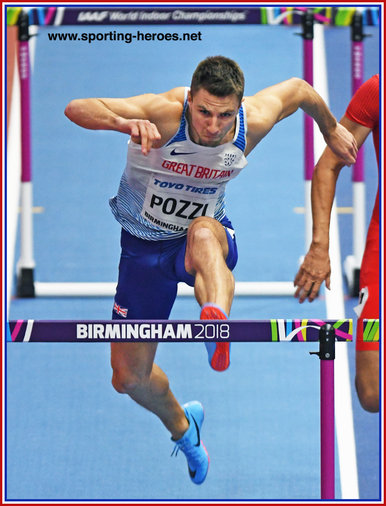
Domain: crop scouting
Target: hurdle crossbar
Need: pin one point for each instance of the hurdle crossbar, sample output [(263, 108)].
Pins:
[(107, 289), (326, 332), (275, 330)]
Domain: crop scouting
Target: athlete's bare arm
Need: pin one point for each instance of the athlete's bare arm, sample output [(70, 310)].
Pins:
[(271, 105), (316, 265), (150, 119)]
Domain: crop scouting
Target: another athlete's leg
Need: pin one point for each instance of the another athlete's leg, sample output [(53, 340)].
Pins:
[(367, 379), (367, 352)]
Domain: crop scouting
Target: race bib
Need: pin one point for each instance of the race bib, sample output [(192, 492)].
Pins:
[(172, 204), (363, 298)]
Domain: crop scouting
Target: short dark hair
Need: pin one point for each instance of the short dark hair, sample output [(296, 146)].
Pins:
[(220, 76)]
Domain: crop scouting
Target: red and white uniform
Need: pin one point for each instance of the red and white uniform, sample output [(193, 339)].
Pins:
[(364, 110)]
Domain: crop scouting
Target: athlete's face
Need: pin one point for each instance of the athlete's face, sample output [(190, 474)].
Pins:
[(211, 118)]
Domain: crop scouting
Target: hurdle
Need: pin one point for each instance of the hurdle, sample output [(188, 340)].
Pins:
[(26, 263), (309, 149), (26, 284), (275, 330), (352, 262)]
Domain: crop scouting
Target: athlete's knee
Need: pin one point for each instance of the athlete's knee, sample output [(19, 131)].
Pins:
[(202, 230), (202, 250), (202, 237), (368, 393), (126, 381)]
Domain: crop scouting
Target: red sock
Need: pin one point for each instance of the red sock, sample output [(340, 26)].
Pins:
[(219, 353), (212, 312)]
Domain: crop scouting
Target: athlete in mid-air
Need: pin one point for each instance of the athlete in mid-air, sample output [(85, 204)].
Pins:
[(186, 145)]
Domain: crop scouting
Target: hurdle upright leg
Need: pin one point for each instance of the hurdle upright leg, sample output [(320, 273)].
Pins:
[(308, 76), (326, 355), (26, 263), (353, 262)]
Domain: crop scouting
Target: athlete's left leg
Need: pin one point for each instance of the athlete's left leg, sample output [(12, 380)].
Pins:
[(207, 263), (206, 251)]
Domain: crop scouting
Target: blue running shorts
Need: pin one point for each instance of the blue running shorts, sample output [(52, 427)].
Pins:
[(149, 272)]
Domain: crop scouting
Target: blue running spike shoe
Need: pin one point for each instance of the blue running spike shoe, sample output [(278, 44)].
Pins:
[(191, 445), (218, 353)]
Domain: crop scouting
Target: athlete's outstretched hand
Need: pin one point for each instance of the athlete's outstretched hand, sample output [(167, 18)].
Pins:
[(343, 144), (142, 131), (314, 270)]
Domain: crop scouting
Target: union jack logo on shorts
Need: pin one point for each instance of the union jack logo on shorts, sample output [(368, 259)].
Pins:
[(122, 311)]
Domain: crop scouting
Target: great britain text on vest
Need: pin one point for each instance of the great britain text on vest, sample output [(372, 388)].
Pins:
[(196, 171)]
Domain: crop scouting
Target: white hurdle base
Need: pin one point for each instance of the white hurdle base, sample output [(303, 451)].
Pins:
[(352, 270), (242, 289)]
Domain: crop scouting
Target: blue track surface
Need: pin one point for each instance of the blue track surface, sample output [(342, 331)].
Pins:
[(69, 435)]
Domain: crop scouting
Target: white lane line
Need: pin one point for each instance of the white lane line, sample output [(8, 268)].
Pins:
[(344, 423)]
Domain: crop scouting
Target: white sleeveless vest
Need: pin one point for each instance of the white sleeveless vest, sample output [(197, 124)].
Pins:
[(161, 193)]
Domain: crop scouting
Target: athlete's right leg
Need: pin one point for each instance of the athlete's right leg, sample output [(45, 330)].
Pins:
[(143, 293), (136, 374), (147, 288)]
